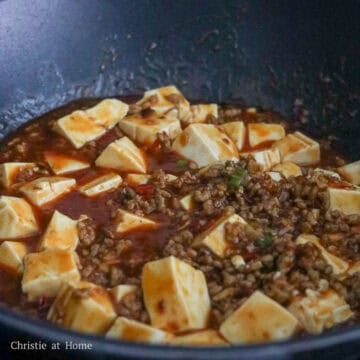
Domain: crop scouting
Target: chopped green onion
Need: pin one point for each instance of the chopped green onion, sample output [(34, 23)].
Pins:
[(236, 178), (182, 163), (265, 242)]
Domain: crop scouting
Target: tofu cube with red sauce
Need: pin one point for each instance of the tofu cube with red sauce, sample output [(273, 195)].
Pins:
[(260, 133), (214, 238), (126, 221), (62, 164), (207, 337), (259, 319), (203, 113), (10, 170), (101, 184), (351, 172), (165, 99), (82, 126), (236, 130), (299, 149), (45, 189), (318, 311), (131, 330), (144, 127), (205, 144), (120, 291), (344, 200), (83, 306), (175, 295), (11, 256), (17, 218), (122, 155), (46, 271), (61, 233), (288, 169)]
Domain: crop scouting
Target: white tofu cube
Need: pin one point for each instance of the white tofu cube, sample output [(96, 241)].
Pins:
[(11, 256), (236, 130), (175, 295), (126, 221), (259, 319), (17, 218), (101, 184), (215, 236), (202, 112), (122, 155), (346, 201), (205, 145), (338, 265), (131, 330), (46, 271), (260, 133), (299, 149), (63, 164), (61, 233), (120, 291), (351, 172), (137, 179), (84, 307), (207, 337), (81, 127), (165, 99), (143, 128), (266, 158), (288, 169), (9, 171), (46, 189), (319, 311), (187, 202), (276, 176)]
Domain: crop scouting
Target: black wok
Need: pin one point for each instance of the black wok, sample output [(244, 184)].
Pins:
[(300, 58)]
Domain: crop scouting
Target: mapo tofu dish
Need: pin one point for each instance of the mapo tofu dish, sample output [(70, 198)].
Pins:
[(158, 220)]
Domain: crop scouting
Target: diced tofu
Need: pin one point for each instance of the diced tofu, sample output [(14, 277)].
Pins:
[(338, 265), (276, 176), (200, 338), (138, 179), (101, 184), (62, 164), (83, 307), (61, 233), (187, 202), (236, 130), (215, 237), (81, 126), (327, 173), (205, 144), (46, 189), (122, 155), (143, 128), (202, 112), (120, 291), (11, 256), (265, 158), (17, 218), (351, 172), (131, 330), (346, 201), (175, 295), (288, 169), (126, 221), (259, 319), (319, 311), (238, 261), (46, 271), (260, 133), (354, 268), (299, 149), (9, 171), (165, 99)]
